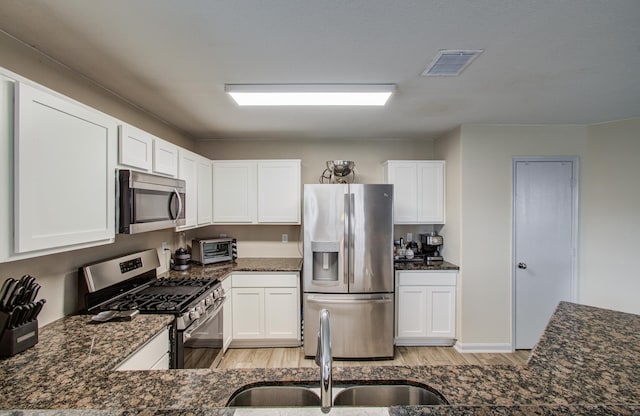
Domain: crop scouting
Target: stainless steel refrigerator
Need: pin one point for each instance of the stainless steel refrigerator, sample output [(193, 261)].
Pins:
[(348, 268)]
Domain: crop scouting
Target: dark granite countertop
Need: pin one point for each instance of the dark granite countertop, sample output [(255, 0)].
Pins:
[(587, 362), (247, 264), (420, 265)]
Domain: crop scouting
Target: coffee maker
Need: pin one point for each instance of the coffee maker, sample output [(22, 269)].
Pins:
[(431, 244)]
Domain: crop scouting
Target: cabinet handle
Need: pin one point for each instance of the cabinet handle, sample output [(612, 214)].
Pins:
[(522, 266)]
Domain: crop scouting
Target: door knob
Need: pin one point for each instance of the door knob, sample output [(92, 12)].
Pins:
[(522, 266)]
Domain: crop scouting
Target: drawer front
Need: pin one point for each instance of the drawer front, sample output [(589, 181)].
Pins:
[(265, 280), (427, 278)]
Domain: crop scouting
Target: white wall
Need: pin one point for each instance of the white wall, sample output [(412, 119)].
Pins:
[(610, 222), (486, 220), (449, 148)]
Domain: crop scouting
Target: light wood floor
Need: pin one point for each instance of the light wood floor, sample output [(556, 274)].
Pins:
[(294, 357)]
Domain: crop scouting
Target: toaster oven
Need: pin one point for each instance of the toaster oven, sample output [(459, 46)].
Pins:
[(213, 250)]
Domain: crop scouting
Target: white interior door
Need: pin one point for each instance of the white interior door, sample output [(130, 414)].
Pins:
[(544, 239)]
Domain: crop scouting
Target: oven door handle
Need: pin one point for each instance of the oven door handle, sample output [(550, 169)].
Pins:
[(186, 334)]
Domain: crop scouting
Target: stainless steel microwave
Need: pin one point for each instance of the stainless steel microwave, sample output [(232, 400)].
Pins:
[(149, 202), (213, 250)]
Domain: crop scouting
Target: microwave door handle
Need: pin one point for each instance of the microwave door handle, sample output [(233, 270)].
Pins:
[(177, 194)]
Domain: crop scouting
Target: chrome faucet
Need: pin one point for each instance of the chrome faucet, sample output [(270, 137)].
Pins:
[(324, 360)]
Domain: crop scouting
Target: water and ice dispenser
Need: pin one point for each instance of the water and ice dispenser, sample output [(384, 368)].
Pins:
[(325, 260)]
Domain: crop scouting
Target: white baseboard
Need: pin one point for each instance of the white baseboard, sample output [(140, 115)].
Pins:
[(482, 347)]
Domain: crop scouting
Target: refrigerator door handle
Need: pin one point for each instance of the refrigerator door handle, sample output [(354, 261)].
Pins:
[(347, 239), (352, 246), (329, 301)]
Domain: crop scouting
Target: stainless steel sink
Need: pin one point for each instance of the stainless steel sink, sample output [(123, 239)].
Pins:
[(385, 395), (275, 396), (363, 395)]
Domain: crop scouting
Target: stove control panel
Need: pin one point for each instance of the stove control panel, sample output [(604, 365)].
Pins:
[(129, 265)]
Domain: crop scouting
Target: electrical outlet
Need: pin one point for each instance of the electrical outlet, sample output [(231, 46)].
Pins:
[(164, 246), (409, 237), (222, 235), (285, 238)]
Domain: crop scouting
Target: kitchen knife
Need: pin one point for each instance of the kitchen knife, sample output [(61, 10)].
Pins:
[(5, 288), (15, 296), (9, 293), (35, 287), (16, 317), (38, 308), (27, 282)]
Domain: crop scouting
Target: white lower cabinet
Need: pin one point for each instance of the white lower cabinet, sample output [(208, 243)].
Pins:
[(266, 309), (425, 307), (153, 355), (248, 313), (281, 319), (227, 317)]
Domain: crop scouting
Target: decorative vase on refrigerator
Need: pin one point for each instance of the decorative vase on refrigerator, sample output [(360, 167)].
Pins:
[(348, 268)]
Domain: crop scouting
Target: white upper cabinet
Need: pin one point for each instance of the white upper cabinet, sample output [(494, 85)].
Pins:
[(165, 158), (188, 171), (256, 191), (431, 192), (234, 192), (419, 190), (65, 158), (205, 191), (279, 191), (135, 148), (195, 170)]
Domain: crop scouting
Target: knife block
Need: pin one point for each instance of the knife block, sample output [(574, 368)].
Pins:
[(16, 340)]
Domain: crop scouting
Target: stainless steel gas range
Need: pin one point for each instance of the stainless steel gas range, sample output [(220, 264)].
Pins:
[(130, 283)]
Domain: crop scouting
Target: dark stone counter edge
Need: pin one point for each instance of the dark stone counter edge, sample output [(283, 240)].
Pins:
[(516, 410), (410, 265)]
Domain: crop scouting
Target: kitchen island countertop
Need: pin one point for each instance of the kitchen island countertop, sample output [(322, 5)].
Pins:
[(586, 362)]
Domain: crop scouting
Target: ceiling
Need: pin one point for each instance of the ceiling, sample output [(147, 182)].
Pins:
[(544, 61)]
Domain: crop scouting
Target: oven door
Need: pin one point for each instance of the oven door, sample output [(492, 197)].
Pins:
[(202, 342)]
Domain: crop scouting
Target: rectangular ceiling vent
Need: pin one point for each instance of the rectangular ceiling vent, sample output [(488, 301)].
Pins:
[(450, 62)]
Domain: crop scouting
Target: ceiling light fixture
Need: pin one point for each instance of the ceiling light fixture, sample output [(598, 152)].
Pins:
[(310, 94)]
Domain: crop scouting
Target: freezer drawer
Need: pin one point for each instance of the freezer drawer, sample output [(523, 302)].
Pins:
[(361, 325)]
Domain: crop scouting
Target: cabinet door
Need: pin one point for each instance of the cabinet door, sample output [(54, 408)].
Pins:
[(234, 192), (441, 301), (248, 312), (403, 176), (135, 148), (279, 191), (431, 192), (227, 317), (412, 312), (154, 355), (65, 157), (281, 312), (165, 158), (205, 191), (7, 89), (188, 171)]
